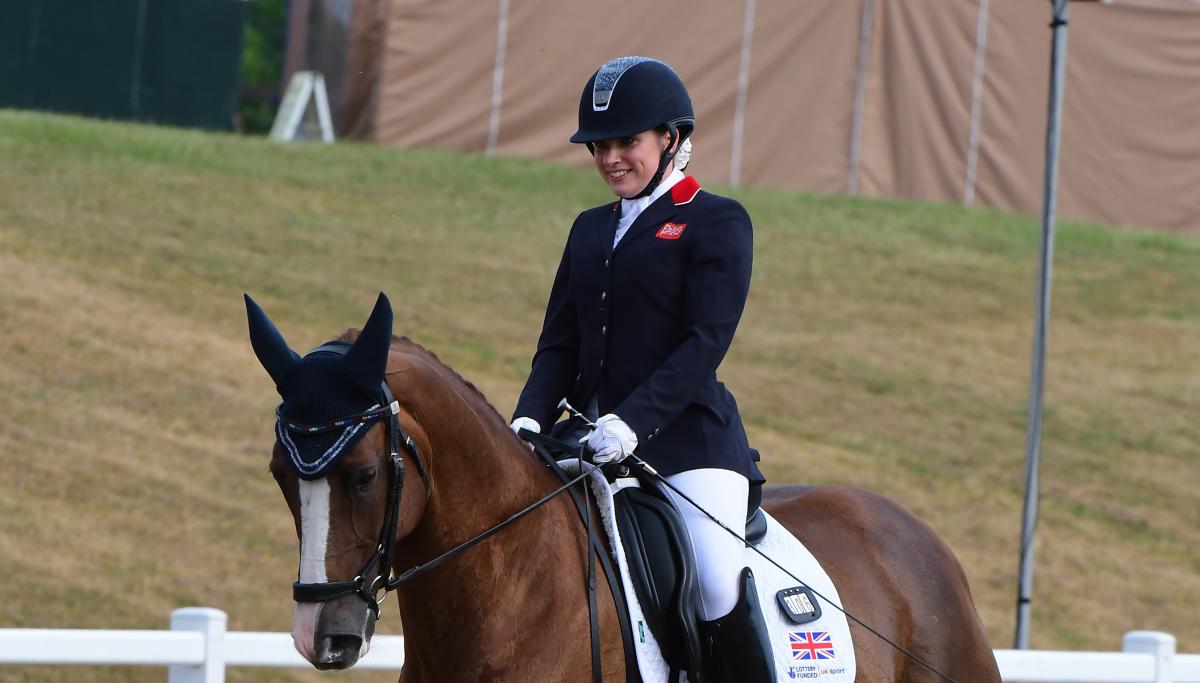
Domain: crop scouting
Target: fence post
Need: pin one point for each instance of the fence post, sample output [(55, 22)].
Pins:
[(1161, 645), (211, 623)]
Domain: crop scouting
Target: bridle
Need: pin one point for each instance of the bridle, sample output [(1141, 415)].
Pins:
[(385, 549)]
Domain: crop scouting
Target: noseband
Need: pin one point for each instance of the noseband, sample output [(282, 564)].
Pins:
[(397, 437)]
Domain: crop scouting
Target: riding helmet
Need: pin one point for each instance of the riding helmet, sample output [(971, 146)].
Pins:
[(629, 95)]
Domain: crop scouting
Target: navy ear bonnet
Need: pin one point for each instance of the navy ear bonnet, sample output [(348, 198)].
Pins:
[(332, 396)]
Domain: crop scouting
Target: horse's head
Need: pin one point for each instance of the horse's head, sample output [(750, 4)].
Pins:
[(339, 458)]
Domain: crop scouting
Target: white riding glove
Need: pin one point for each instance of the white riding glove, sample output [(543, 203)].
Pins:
[(612, 440), (525, 423)]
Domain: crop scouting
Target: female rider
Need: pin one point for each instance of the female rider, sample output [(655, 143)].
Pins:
[(643, 308)]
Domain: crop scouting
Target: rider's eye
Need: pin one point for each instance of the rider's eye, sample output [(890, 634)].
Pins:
[(363, 478)]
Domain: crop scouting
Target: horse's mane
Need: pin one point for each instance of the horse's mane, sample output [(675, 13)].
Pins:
[(406, 344)]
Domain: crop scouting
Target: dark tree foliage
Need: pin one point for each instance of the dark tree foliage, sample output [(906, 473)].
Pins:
[(262, 64)]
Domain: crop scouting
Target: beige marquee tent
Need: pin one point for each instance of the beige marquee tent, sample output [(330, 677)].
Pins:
[(932, 99)]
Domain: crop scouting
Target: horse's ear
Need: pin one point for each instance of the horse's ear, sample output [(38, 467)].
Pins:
[(366, 361), (272, 351)]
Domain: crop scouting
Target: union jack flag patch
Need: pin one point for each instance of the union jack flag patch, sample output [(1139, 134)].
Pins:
[(811, 645), (670, 231)]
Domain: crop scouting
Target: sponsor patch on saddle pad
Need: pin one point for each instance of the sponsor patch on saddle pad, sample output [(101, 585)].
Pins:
[(819, 650)]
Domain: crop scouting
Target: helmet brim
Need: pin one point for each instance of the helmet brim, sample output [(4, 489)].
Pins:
[(591, 136)]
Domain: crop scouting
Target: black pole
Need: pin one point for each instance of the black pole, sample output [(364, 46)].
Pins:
[(1033, 440)]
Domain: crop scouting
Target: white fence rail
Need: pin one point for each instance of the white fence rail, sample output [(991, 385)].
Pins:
[(198, 648)]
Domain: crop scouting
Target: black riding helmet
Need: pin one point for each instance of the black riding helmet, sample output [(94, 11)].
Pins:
[(629, 95)]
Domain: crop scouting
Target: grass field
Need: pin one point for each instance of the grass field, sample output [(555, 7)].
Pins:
[(886, 344)]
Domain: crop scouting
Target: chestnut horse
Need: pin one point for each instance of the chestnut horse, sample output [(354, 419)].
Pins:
[(514, 607)]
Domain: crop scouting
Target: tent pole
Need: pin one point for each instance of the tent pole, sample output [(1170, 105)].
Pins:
[(1033, 439)]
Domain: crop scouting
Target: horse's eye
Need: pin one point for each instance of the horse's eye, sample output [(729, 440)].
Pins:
[(363, 478)]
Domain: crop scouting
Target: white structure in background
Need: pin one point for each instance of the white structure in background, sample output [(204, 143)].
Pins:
[(198, 648), (296, 119)]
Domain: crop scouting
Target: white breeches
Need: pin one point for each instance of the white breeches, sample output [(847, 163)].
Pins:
[(719, 556)]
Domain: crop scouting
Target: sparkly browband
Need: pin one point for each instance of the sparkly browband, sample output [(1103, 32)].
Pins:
[(371, 414), (353, 425)]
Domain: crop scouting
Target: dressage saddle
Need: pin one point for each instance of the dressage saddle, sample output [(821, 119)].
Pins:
[(659, 554), (662, 567)]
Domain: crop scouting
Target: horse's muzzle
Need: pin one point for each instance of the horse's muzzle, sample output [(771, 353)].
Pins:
[(342, 634), (337, 652)]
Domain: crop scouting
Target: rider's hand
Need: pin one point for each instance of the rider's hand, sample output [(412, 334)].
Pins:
[(612, 440), (525, 423)]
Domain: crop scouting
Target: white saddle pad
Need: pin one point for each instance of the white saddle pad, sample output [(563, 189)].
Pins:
[(820, 650)]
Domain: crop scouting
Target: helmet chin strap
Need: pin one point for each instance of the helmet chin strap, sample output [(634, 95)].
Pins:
[(667, 155)]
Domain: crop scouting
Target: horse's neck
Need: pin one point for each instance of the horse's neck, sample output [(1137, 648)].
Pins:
[(480, 476), (476, 465)]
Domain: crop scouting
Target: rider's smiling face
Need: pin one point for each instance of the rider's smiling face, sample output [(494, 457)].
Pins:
[(628, 164)]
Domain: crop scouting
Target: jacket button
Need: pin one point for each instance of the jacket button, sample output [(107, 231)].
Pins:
[(603, 296), (606, 262), (604, 329), (601, 363)]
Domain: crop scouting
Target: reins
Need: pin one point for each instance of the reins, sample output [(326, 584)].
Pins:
[(420, 569)]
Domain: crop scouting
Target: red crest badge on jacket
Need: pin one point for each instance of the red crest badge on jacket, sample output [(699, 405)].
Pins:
[(670, 231)]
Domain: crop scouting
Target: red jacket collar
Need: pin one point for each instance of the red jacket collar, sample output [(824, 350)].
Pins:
[(682, 192), (685, 190)]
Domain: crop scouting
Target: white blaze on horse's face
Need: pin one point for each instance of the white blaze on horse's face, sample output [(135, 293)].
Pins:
[(314, 535), (314, 528)]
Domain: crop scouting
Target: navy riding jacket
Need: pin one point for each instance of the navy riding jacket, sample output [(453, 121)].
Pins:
[(644, 326)]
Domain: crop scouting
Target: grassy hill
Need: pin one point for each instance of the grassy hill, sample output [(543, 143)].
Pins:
[(886, 344)]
